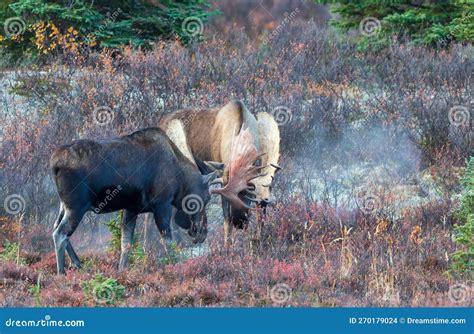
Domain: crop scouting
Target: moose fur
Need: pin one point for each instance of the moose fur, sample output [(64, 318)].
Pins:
[(210, 134), (141, 172)]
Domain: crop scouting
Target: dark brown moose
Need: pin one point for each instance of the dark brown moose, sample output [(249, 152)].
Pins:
[(138, 173)]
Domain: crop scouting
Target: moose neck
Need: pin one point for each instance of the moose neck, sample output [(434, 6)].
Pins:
[(187, 178)]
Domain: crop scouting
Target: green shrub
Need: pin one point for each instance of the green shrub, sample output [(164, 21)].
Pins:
[(11, 252), (435, 23), (35, 290), (463, 259), (137, 254), (41, 27), (90, 264), (115, 228), (173, 255), (103, 290)]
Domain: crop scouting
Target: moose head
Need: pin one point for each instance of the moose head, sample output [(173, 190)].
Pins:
[(190, 213), (242, 169)]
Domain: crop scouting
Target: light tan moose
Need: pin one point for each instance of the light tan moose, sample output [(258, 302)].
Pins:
[(211, 134)]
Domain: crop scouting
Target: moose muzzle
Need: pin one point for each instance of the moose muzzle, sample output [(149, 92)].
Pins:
[(198, 232)]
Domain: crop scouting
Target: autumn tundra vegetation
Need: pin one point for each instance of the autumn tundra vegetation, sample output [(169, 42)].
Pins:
[(373, 204)]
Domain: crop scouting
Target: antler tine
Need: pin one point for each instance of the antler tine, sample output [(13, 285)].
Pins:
[(251, 199), (262, 167), (235, 200), (251, 192), (242, 170), (276, 166), (217, 181)]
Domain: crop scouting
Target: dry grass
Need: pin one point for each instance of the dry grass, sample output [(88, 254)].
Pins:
[(363, 127), (351, 260)]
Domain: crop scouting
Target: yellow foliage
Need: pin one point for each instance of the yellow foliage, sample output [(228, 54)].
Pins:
[(415, 235), (382, 226), (48, 37)]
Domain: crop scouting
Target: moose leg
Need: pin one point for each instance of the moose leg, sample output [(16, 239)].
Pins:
[(228, 225), (69, 249), (60, 215), (72, 254), (128, 227), (259, 218), (162, 214), (61, 235)]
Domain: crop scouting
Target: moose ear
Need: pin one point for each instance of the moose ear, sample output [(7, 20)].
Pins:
[(217, 166), (202, 167), (208, 178), (206, 167)]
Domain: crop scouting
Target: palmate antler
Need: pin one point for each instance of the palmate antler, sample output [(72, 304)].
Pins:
[(242, 170)]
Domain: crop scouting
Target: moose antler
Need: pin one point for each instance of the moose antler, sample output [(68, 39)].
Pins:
[(242, 170), (276, 167)]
